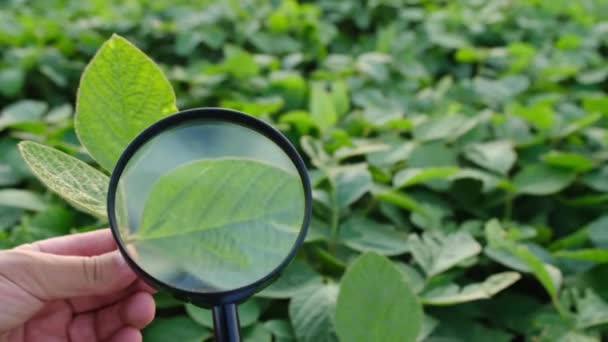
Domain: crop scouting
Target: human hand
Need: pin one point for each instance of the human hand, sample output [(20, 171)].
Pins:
[(71, 288)]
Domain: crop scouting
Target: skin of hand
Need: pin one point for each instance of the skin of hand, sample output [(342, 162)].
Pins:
[(72, 288)]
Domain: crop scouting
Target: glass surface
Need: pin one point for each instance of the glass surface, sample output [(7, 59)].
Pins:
[(209, 206)]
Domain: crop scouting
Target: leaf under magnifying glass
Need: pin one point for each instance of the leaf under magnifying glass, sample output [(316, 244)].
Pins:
[(221, 223)]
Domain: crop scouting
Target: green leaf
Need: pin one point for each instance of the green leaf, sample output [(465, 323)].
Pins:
[(365, 235), (241, 238), (11, 81), (376, 304), (281, 329), (498, 156), (339, 95), (598, 232), (257, 333), (312, 314), (177, 328), (538, 179), (121, 92), (573, 161), (452, 294), (436, 253), (249, 312), (412, 176), (443, 127), (75, 181), (546, 274), (599, 256), (591, 309), (22, 199), (298, 277), (350, 182), (597, 179), (321, 106), (22, 112)]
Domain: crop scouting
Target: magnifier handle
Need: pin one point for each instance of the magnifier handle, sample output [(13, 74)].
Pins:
[(226, 323)]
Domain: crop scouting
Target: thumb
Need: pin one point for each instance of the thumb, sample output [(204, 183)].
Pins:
[(50, 276)]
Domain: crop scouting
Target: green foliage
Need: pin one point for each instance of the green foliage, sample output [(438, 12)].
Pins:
[(421, 122)]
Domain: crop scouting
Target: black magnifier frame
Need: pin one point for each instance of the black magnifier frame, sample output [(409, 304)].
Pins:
[(223, 304)]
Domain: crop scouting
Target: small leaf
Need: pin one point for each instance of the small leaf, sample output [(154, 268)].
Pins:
[(77, 182), (538, 179), (573, 161), (413, 176), (321, 106), (599, 256), (177, 328), (298, 277), (436, 253), (598, 232), (281, 329), (365, 235), (22, 199), (249, 312), (592, 310), (22, 112), (375, 303), (312, 314), (121, 92), (498, 156), (443, 127), (351, 182), (597, 179), (339, 95), (453, 294)]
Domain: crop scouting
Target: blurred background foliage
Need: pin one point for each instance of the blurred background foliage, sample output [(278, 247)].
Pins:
[(463, 139)]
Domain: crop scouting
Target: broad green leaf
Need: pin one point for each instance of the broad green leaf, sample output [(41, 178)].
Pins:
[(252, 214), (442, 127), (280, 329), (598, 232), (365, 235), (22, 199), (436, 253), (453, 294), (22, 112), (350, 182), (177, 328), (546, 274), (599, 256), (298, 277), (121, 92), (591, 309), (432, 154), (498, 156), (322, 107), (428, 326), (75, 181), (376, 304), (312, 314), (249, 312), (488, 181), (538, 179), (11, 81), (413, 176), (403, 201), (597, 179), (256, 333), (573, 161)]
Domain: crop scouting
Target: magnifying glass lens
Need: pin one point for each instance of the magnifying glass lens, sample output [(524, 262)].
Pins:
[(209, 206)]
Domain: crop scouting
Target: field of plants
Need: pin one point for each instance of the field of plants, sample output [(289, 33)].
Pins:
[(457, 151)]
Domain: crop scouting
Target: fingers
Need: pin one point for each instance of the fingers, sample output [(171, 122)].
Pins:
[(83, 244), (88, 303), (49, 276), (137, 311), (127, 334), (118, 322)]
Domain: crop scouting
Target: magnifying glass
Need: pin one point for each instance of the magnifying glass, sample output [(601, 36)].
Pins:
[(210, 205)]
